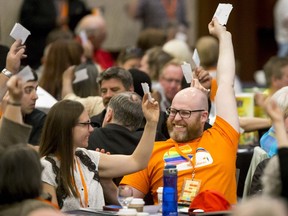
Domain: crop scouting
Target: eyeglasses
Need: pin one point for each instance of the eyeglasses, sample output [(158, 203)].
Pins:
[(92, 124), (183, 113)]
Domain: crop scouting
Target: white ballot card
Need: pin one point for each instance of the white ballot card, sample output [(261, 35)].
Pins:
[(222, 13), (81, 75), (19, 32), (146, 89), (196, 58), (83, 36), (187, 71), (26, 74)]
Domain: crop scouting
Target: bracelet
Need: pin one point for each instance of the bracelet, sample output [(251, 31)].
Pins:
[(7, 73), (14, 103)]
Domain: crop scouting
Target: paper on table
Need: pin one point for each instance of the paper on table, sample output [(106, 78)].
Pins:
[(81, 75), (146, 89), (187, 71), (26, 74), (222, 13), (19, 32)]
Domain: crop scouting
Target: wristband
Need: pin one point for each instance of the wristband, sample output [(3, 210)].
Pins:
[(14, 103), (7, 73)]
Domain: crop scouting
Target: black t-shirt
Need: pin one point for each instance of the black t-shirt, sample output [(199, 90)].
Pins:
[(36, 119)]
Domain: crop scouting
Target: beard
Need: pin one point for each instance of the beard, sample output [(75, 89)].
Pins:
[(193, 130)]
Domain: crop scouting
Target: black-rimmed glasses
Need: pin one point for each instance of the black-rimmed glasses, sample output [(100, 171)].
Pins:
[(183, 113)]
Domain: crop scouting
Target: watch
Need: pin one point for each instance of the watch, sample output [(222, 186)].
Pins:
[(7, 73)]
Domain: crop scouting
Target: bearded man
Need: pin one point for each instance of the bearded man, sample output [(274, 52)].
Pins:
[(205, 159)]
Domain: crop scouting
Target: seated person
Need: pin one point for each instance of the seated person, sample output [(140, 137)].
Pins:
[(129, 58), (275, 175), (13, 62), (112, 81), (207, 156), (268, 141), (31, 115), (120, 133), (18, 162), (88, 87), (63, 150), (95, 28)]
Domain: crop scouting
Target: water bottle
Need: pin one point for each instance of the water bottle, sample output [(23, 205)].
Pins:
[(170, 194)]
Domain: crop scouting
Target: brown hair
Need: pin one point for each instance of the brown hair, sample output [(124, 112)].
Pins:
[(157, 58), (20, 175), (151, 37), (273, 68), (57, 139), (61, 55), (208, 50), (128, 53)]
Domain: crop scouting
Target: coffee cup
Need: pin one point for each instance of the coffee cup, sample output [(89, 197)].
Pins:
[(138, 204), (127, 212), (142, 214), (160, 195)]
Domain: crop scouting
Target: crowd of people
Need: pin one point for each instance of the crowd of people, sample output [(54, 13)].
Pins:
[(104, 131)]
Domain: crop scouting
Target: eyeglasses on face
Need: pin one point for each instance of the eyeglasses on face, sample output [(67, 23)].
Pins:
[(92, 124), (183, 113)]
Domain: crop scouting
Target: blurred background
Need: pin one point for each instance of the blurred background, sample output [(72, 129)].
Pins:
[(250, 22)]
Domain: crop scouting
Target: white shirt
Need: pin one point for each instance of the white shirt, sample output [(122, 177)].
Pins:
[(95, 191)]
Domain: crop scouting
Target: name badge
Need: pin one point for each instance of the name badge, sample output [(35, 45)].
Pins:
[(190, 189)]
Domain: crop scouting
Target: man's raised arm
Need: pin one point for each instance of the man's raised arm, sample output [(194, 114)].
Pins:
[(225, 97)]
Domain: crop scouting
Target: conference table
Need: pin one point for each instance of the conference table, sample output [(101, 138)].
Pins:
[(244, 156), (151, 209)]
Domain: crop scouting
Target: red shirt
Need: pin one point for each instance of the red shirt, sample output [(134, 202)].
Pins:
[(103, 58)]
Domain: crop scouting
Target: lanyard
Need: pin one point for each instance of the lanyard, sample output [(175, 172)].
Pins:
[(192, 161), (84, 187), (48, 202)]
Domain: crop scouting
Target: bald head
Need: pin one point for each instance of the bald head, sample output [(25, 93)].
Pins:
[(191, 98), (95, 28)]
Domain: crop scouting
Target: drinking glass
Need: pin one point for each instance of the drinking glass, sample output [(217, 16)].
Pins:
[(125, 195)]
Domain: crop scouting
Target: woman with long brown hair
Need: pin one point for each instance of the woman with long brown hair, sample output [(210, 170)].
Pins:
[(72, 173)]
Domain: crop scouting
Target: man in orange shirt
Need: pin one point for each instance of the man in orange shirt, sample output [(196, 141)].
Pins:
[(204, 159)]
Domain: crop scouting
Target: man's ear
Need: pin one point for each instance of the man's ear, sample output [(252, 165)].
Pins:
[(204, 116), (108, 115)]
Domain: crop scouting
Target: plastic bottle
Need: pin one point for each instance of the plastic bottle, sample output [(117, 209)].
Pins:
[(170, 194)]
